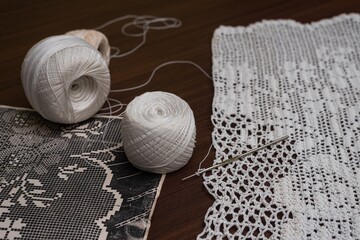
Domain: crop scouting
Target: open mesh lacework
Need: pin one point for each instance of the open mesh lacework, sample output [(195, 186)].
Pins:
[(70, 181), (278, 78)]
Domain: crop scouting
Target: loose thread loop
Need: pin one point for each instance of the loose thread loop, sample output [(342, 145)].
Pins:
[(145, 23)]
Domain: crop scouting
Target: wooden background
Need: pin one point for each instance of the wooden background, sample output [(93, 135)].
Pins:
[(182, 205)]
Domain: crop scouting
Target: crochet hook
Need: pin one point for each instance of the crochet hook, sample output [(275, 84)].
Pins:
[(230, 160)]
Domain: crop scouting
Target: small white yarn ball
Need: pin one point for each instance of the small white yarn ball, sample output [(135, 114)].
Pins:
[(65, 79), (158, 132)]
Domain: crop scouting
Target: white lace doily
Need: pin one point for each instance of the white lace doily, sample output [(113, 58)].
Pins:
[(277, 78), (70, 181)]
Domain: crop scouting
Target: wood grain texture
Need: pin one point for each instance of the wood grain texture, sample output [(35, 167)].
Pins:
[(182, 206)]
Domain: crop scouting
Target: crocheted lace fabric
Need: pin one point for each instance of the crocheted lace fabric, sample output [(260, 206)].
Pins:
[(277, 78), (70, 181)]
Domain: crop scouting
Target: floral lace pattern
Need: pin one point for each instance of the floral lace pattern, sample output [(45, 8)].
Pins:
[(278, 78), (69, 182)]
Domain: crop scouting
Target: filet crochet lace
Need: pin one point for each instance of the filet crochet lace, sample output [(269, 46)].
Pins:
[(278, 78)]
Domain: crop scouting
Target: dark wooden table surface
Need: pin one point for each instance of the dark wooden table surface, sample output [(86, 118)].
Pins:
[(182, 205)]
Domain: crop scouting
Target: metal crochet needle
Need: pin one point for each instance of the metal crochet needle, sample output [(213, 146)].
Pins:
[(230, 160)]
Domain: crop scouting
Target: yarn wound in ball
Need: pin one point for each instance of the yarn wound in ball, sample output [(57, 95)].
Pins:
[(158, 132), (65, 79)]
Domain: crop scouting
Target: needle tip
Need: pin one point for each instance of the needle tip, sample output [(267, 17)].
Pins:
[(188, 177)]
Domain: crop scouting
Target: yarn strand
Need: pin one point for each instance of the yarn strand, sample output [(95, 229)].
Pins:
[(159, 67), (145, 23)]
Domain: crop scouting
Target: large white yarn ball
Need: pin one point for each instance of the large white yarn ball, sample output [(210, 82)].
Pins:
[(158, 132), (65, 79)]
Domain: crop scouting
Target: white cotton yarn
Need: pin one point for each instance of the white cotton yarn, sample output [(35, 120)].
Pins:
[(158, 132), (65, 79)]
